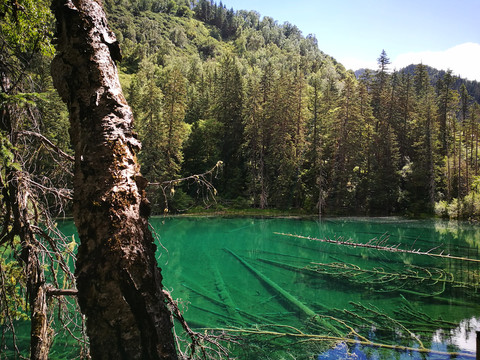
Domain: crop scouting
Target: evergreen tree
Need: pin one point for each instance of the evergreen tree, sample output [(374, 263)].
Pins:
[(446, 102), (175, 129), (385, 182), (347, 159), (419, 175), (255, 140), (447, 106), (314, 176), (228, 108)]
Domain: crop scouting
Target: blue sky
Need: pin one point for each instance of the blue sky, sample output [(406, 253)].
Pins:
[(444, 34)]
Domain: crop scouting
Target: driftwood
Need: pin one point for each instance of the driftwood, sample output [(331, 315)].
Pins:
[(376, 245), (312, 338)]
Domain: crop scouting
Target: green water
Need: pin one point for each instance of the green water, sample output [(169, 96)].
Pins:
[(219, 291), (223, 269)]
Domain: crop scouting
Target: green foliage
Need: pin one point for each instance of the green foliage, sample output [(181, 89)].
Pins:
[(293, 129), (6, 155), (13, 306), (26, 25)]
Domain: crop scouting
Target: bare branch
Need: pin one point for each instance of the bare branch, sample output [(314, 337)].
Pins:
[(61, 292), (48, 143), (380, 246), (206, 344), (204, 181)]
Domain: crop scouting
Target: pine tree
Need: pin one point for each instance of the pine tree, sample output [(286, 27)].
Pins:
[(228, 110), (146, 98), (255, 140), (314, 177), (447, 104), (385, 162), (347, 136), (175, 129), (419, 176)]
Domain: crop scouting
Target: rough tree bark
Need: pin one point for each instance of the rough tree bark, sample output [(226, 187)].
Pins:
[(119, 283)]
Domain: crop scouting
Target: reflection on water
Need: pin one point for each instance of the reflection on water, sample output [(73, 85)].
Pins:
[(464, 336), (238, 273)]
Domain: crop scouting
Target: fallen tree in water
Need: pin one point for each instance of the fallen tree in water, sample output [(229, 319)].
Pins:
[(380, 244)]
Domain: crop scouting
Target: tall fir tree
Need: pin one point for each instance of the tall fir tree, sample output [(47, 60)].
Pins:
[(228, 110)]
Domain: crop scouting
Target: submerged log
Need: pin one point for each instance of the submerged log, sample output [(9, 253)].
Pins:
[(212, 298), (375, 245), (224, 294), (292, 300)]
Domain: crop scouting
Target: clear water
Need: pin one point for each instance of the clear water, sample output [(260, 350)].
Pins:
[(238, 273), (202, 264)]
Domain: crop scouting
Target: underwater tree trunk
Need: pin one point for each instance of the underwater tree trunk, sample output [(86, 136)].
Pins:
[(119, 283)]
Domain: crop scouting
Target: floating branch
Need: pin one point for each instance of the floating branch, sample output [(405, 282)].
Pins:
[(381, 247)]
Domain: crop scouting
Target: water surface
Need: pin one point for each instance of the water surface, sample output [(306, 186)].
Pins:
[(235, 272), (239, 273)]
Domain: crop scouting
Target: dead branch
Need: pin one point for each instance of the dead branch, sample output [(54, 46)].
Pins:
[(48, 143), (203, 181), (305, 337), (379, 246), (203, 345)]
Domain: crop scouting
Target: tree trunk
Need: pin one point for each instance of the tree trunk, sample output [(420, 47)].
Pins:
[(17, 197), (119, 283), (41, 334)]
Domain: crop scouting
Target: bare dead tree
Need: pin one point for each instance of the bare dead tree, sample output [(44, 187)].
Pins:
[(33, 255), (29, 232)]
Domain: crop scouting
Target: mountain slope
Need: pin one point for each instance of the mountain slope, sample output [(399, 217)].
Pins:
[(473, 87)]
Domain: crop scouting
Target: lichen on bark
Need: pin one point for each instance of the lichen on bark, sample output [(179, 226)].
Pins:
[(119, 282)]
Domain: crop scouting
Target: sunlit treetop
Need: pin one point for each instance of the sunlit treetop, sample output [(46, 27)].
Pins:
[(26, 26)]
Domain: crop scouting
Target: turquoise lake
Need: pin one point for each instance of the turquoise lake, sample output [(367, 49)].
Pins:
[(392, 298), (242, 273)]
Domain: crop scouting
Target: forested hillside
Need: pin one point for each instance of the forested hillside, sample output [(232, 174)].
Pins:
[(283, 124), (291, 126), (435, 75)]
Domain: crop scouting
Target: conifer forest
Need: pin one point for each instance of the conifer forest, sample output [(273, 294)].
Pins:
[(292, 128), (284, 125)]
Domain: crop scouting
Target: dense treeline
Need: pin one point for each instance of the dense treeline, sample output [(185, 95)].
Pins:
[(473, 87), (292, 127)]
